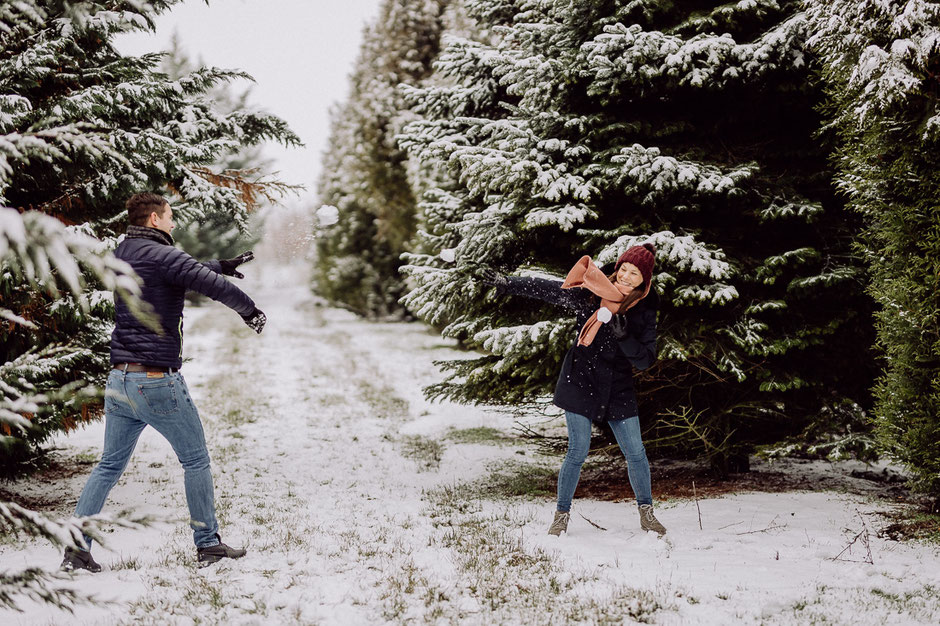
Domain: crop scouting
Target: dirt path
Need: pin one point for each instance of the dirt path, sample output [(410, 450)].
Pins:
[(361, 503)]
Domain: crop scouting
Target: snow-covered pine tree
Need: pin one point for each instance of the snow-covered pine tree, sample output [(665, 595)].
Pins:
[(82, 127), (365, 174), (585, 127), (217, 235), (882, 66)]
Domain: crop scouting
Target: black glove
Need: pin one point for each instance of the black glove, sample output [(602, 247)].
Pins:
[(256, 320), (489, 276), (229, 265), (618, 327)]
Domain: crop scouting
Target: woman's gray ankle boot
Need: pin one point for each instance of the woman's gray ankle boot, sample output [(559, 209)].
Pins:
[(648, 521), (560, 523)]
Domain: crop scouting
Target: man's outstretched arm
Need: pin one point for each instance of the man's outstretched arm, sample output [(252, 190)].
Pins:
[(181, 269)]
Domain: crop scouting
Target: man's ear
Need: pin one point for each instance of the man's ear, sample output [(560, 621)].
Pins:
[(152, 220)]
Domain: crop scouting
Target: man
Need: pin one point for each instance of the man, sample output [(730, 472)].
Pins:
[(145, 386)]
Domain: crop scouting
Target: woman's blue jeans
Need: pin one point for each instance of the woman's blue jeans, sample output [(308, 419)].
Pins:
[(133, 401), (627, 433)]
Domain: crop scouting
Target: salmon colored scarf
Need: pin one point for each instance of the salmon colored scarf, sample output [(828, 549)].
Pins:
[(586, 274)]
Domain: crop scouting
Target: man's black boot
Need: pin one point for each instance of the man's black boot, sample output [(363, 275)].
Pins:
[(212, 554), (79, 559)]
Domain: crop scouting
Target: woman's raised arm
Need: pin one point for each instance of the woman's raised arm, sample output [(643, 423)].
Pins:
[(543, 289)]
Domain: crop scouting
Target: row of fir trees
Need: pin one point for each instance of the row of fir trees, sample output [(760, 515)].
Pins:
[(780, 154), (83, 127)]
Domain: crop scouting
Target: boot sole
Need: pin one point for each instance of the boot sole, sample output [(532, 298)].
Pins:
[(213, 558), (75, 570)]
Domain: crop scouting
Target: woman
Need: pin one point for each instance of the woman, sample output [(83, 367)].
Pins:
[(617, 317)]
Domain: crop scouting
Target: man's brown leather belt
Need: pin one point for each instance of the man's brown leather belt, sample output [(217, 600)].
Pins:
[(137, 367)]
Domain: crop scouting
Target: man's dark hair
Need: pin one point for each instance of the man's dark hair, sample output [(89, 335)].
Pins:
[(141, 205)]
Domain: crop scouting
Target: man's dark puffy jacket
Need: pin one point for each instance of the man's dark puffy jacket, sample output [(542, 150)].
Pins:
[(167, 274), (597, 380)]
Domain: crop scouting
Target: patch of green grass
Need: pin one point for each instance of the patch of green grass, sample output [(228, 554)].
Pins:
[(260, 607), (239, 415), (447, 500), (426, 452), (226, 453), (907, 600), (915, 525), (86, 458), (505, 480), (514, 479), (131, 562), (480, 434), (383, 401), (408, 588), (917, 606), (200, 591), (331, 399)]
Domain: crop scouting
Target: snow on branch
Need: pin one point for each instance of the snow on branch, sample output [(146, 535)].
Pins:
[(648, 170), (886, 49), (33, 583), (52, 144), (25, 15), (70, 533), (565, 217), (517, 342), (625, 59), (679, 252), (47, 254), (502, 156)]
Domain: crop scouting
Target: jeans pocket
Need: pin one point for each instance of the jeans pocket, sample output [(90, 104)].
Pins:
[(160, 397)]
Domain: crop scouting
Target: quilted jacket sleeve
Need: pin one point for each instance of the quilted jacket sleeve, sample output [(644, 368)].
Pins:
[(185, 271)]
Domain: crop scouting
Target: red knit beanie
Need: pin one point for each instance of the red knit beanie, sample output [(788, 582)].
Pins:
[(644, 257)]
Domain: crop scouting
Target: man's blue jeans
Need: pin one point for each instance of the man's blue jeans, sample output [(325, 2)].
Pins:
[(133, 401), (627, 433)]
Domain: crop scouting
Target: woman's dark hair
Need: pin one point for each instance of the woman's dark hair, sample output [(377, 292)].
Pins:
[(141, 205)]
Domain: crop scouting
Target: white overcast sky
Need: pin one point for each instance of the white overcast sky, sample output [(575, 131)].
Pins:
[(300, 53)]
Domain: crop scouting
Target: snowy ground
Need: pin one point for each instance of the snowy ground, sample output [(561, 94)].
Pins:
[(362, 503)]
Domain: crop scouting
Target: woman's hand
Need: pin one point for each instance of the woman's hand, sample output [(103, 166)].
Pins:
[(489, 276), (618, 327)]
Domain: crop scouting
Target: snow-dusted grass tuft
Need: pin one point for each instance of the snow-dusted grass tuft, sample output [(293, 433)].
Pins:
[(383, 401), (515, 479), (480, 434), (506, 577), (426, 452), (126, 563), (917, 606)]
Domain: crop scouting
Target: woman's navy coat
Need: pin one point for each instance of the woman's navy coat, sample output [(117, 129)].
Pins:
[(597, 380)]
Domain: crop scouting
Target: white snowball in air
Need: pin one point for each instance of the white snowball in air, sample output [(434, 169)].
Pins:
[(448, 255), (327, 215), (604, 314)]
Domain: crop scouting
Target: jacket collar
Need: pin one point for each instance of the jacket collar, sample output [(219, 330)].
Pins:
[(145, 232)]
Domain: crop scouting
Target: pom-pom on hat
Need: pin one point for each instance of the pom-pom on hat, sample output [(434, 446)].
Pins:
[(644, 257)]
